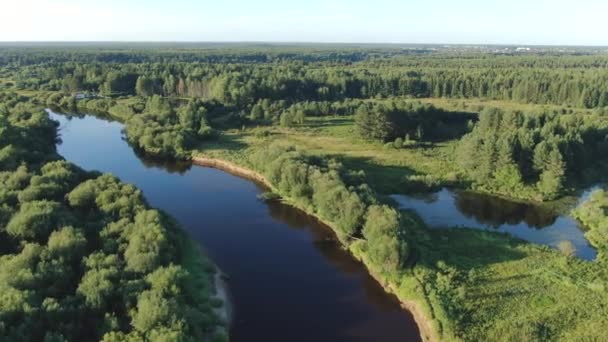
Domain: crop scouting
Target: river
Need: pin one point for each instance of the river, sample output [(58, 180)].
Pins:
[(289, 279)]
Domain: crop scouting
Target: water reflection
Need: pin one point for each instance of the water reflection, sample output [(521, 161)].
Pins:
[(327, 244), (446, 208), (496, 212), (171, 166)]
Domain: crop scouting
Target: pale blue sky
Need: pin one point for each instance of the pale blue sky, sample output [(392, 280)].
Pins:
[(554, 22)]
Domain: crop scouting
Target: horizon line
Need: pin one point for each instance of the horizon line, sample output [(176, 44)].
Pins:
[(272, 42)]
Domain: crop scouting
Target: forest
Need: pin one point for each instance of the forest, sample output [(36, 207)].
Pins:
[(334, 130), (511, 152), (572, 81), (82, 255)]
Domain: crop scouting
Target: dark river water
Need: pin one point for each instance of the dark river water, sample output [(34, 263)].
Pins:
[(289, 280), (447, 208)]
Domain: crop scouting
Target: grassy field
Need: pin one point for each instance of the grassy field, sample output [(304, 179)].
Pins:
[(334, 136), (493, 287), (386, 168)]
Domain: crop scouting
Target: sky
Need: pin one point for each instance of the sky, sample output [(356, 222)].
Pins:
[(525, 22)]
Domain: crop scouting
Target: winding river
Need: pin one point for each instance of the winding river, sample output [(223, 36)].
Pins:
[(289, 280)]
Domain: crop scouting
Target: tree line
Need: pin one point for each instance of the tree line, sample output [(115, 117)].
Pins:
[(155, 125), (409, 121), (576, 81), (338, 196), (530, 155)]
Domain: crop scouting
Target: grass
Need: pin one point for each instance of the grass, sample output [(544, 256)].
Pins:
[(335, 137), (476, 105), (26, 92), (484, 286)]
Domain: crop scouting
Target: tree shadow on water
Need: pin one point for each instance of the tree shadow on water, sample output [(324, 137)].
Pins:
[(496, 212)]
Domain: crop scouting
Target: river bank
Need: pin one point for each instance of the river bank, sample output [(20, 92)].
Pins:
[(425, 324)]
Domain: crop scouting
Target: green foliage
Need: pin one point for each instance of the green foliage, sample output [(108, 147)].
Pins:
[(292, 117), (374, 125), (147, 244), (107, 194), (320, 186), (27, 135), (483, 286), (144, 86), (99, 282), (55, 180), (531, 155), (117, 82), (393, 119), (245, 75), (82, 256), (36, 220), (68, 243), (311, 185), (162, 132), (136, 282), (398, 143), (385, 238), (257, 112), (153, 310)]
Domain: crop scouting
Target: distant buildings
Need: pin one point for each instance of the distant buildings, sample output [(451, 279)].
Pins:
[(82, 96)]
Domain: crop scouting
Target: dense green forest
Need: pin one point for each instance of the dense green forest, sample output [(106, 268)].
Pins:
[(576, 81), (333, 130), (82, 255), (511, 152)]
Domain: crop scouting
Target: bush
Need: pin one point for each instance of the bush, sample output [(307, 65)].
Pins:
[(148, 243), (567, 248), (398, 143), (36, 220), (384, 237)]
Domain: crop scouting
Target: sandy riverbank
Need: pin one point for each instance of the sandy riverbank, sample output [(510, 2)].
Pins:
[(225, 312)]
